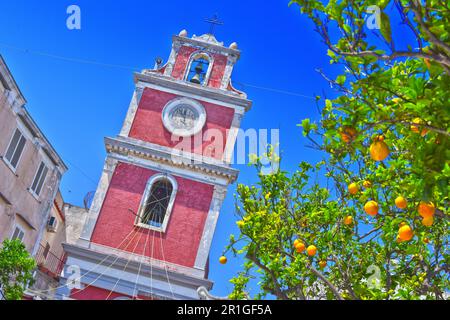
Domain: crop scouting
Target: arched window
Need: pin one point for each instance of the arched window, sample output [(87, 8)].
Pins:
[(157, 202), (199, 68)]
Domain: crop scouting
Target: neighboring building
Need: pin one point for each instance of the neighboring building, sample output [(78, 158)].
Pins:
[(50, 254), (30, 169), (151, 223)]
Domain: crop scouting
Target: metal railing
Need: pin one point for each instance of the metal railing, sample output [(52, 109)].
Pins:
[(48, 262)]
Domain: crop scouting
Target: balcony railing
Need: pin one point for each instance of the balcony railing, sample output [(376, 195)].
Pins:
[(48, 262)]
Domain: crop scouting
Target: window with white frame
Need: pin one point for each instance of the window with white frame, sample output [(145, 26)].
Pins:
[(39, 179), (18, 234), (15, 149), (157, 202)]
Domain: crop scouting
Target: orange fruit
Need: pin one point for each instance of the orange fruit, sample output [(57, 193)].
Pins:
[(379, 149), (426, 209), (367, 184), (348, 220), (353, 188), (348, 134), (401, 202), (426, 240), (398, 240), (322, 264), (428, 222), (311, 250), (296, 241), (223, 260), (415, 127), (300, 247), (405, 233), (371, 208)]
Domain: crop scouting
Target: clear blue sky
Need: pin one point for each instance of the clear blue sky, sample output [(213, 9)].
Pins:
[(77, 104)]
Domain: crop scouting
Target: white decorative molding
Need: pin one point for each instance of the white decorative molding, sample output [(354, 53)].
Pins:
[(210, 226), (132, 109), (99, 197), (232, 136)]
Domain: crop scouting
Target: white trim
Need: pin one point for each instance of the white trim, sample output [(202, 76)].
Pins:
[(172, 105), (209, 227), (156, 166), (97, 203), (132, 109), (151, 181), (238, 108)]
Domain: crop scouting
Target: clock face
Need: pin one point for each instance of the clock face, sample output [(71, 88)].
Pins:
[(184, 117)]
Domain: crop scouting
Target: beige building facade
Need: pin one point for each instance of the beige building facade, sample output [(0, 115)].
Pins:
[(30, 170)]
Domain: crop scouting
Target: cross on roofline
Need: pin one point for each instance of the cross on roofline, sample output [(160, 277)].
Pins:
[(213, 21)]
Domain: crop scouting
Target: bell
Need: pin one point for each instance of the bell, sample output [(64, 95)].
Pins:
[(196, 78)]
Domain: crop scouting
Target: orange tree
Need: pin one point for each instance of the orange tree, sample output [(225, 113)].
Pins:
[(373, 222)]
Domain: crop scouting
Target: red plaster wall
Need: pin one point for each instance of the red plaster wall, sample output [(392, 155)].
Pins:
[(217, 72), (180, 241), (148, 125)]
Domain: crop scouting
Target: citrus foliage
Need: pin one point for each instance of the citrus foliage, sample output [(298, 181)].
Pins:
[(16, 267), (376, 209)]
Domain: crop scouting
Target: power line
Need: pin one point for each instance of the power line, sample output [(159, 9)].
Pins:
[(110, 65)]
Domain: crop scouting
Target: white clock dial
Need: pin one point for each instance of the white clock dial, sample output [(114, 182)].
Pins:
[(184, 117)]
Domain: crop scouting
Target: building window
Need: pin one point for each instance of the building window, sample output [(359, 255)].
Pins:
[(199, 68), (18, 234), (157, 202), (15, 149), (39, 179)]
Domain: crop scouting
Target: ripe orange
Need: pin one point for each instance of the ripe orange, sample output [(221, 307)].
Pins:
[(300, 247), (296, 241), (428, 222), (311, 250), (426, 240), (405, 233), (223, 260), (398, 240), (426, 209), (367, 184), (379, 149), (348, 220), (415, 127), (348, 134), (371, 208), (353, 188), (401, 202), (322, 264)]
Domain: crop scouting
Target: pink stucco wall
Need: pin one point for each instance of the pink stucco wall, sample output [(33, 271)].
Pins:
[(179, 244)]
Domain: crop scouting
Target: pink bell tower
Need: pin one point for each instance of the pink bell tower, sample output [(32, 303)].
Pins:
[(149, 229)]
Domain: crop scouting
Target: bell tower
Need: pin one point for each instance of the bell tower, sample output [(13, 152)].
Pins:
[(151, 223)]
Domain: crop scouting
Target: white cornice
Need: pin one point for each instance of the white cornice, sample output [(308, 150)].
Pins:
[(184, 87), (139, 149)]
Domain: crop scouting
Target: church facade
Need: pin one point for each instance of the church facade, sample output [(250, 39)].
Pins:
[(149, 229)]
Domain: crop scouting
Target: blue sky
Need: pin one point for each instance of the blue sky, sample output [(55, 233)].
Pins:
[(76, 104)]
